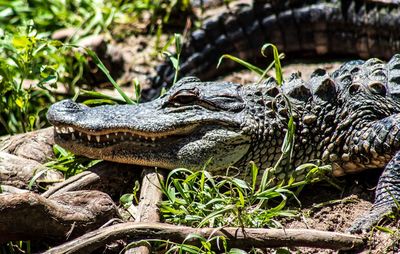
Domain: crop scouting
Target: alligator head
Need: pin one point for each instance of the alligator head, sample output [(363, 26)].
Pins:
[(194, 123)]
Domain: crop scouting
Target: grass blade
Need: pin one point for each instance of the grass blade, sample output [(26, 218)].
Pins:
[(241, 62)]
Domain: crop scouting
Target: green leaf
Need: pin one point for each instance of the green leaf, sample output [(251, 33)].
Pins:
[(254, 174), (101, 66), (282, 251), (20, 102), (32, 120), (58, 150), (178, 42), (175, 62), (278, 68), (36, 176), (217, 213), (385, 230), (237, 251), (136, 86), (126, 199), (94, 94), (241, 62), (21, 42), (56, 43)]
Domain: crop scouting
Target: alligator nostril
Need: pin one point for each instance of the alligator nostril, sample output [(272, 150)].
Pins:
[(68, 106), (354, 88), (377, 88)]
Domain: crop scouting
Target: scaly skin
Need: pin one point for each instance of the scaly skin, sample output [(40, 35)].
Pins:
[(339, 28), (349, 119)]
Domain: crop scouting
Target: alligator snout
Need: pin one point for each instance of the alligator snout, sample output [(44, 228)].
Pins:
[(64, 109)]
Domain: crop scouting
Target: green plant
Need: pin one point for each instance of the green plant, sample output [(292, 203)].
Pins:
[(69, 163), (21, 104), (199, 199), (174, 59), (90, 17)]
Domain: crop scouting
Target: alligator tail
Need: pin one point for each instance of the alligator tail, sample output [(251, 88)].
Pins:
[(298, 28)]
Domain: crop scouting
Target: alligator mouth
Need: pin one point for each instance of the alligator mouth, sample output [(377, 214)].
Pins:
[(110, 138)]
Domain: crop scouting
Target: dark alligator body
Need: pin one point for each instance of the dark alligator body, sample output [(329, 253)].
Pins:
[(349, 119), (310, 28)]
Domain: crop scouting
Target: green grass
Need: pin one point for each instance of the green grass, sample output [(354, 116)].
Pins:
[(198, 199)]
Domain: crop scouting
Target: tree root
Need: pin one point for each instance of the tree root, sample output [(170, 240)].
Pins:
[(28, 216), (244, 238), (35, 145), (150, 196), (18, 172), (114, 179)]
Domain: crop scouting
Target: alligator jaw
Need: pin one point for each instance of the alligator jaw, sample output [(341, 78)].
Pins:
[(169, 151), (108, 138)]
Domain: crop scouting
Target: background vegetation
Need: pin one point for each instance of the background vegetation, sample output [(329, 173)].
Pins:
[(32, 63)]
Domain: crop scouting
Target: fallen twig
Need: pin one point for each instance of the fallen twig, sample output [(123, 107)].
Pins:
[(244, 238)]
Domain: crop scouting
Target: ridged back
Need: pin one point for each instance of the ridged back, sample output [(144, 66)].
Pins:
[(299, 28)]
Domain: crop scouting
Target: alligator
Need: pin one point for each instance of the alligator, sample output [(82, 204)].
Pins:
[(349, 119), (338, 28)]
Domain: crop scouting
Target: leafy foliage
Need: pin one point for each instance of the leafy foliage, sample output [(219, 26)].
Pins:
[(200, 199)]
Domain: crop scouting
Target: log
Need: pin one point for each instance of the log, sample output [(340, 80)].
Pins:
[(11, 189), (244, 238), (150, 196), (112, 178), (35, 145), (18, 172), (28, 216)]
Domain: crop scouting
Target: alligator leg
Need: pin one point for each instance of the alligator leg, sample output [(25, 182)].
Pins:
[(387, 191)]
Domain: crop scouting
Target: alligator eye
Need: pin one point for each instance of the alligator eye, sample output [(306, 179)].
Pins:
[(225, 102), (184, 96)]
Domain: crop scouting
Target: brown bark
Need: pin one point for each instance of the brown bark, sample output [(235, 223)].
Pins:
[(18, 172), (28, 216), (35, 145), (114, 179), (150, 196), (7, 189), (236, 237)]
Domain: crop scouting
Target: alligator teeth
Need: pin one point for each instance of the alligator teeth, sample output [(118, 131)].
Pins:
[(80, 134), (98, 138), (125, 133), (57, 129), (153, 138), (107, 136), (73, 136), (70, 129), (89, 137)]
